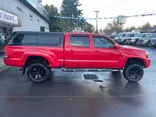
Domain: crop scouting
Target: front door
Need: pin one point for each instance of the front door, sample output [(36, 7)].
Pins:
[(105, 55)]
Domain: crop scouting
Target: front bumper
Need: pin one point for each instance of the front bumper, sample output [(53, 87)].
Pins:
[(147, 62), (6, 61)]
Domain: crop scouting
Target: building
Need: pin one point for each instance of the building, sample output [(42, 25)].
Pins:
[(22, 15)]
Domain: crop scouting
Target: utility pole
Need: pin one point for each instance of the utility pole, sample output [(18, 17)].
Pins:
[(97, 21)]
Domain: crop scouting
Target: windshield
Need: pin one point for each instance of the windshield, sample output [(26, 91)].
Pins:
[(123, 35), (152, 35), (131, 35), (119, 35), (145, 35), (138, 35)]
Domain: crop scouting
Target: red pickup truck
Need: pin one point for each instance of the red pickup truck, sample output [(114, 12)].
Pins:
[(39, 52)]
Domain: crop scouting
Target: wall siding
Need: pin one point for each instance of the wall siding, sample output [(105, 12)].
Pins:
[(27, 23)]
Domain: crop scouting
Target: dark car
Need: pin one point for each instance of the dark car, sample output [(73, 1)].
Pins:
[(153, 40)]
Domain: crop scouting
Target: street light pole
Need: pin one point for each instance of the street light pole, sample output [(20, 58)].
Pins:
[(97, 21)]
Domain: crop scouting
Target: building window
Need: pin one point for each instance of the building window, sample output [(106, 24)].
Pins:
[(18, 8), (4, 35), (42, 29), (31, 16)]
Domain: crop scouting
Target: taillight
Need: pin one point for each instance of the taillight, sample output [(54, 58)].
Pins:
[(5, 52)]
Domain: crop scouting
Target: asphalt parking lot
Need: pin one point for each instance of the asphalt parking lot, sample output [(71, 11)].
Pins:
[(69, 95)]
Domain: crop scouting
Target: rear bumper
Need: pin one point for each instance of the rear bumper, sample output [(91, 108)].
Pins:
[(153, 44), (147, 62), (6, 61)]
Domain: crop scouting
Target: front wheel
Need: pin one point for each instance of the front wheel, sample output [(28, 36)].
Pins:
[(133, 73), (38, 73)]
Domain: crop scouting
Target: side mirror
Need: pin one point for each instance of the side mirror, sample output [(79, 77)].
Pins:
[(116, 45)]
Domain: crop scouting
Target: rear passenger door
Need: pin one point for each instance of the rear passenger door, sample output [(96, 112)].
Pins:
[(78, 54)]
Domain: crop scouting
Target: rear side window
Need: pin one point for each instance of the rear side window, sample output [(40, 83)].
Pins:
[(81, 41), (22, 39), (49, 40)]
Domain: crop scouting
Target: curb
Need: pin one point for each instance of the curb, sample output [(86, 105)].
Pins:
[(4, 68), (1, 52)]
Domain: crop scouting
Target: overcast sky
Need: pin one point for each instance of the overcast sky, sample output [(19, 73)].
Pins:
[(113, 8)]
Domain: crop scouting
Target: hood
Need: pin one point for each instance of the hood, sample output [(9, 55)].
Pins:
[(133, 51), (130, 48)]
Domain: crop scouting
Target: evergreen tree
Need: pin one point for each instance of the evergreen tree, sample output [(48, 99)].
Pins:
[(70, 8), (55, 24)]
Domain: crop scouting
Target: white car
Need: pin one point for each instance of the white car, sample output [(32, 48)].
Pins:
[(131, 38), (144, 39), (122, 37), (119, 37), (128, 36)]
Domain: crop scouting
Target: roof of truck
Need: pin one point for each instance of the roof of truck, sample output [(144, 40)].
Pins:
[(37, 32), (58, 33), (84, 33)]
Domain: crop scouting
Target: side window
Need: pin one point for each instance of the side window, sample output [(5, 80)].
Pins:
[(81, 41), (18, 39), (132, 35), (22, 39), (123, 35), (49, 40), (29, 39), (144, 35), (102, 42)]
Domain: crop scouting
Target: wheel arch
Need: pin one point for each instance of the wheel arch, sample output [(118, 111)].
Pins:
[(138, 61), (30, 59)]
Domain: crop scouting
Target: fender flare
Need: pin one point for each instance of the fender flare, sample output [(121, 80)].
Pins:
[(52, 59)]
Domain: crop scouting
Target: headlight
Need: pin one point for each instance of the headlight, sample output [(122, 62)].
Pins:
[(147, 52)]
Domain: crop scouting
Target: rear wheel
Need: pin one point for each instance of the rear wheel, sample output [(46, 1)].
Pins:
[(137, 42), (125, 42), (133, 73), (149, 44), (38, 73)]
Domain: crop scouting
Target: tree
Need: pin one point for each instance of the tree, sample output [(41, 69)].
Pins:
[(130, 29), (113, 27), (88, 27), (70, 8), (55, 24), (145, 27)]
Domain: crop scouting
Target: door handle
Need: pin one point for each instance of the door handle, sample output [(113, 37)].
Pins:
[(72, 50), (96, 50)]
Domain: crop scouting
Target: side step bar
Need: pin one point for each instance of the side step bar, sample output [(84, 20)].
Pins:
[(88, 70)]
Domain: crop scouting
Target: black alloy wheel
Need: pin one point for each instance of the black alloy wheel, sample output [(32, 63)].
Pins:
[(38, 73), (133, 73)]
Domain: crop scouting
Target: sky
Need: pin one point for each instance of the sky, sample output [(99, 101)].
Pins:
[(114, 8)]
